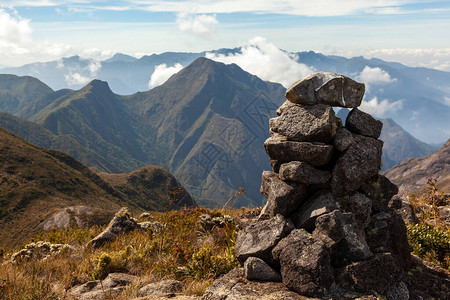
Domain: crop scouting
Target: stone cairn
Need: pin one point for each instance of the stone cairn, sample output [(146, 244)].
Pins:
[(326, 229)]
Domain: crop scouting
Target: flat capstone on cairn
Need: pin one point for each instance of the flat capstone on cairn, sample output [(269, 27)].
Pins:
[(326, 229)]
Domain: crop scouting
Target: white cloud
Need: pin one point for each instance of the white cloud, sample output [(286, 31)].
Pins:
[(379, 109), (199, 25), (447, 101), (76, 79), (376, 75), (266, 61), (162, 73), (14, 29)]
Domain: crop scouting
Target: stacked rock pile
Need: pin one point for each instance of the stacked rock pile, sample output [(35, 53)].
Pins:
[(326, 230)]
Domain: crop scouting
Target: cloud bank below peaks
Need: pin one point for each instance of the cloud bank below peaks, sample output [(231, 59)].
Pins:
[(162, 73), (266, 61)]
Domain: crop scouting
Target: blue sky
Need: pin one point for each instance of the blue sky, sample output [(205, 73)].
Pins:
[(416, 33)]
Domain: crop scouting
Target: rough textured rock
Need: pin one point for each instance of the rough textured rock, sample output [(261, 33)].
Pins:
[(306, 123), (112, 285), (398, 291), (356, 166), (404, 208), (343, 139), (305, 264), (165, 288), (380, 190), (362, 123), (121, 223), (256, 269), (258, 239), (234, 286), (326, 88), (282, 197), (286, 151), (342, 236), (303, 172), (377, 273), (358, 204), (321, 203), (287, 104), (387, 233)]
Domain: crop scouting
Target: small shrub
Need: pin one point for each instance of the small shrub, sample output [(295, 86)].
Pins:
[(430, 243)]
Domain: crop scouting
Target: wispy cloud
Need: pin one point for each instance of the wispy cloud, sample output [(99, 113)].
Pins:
[(380, 108), (371, 76), (266, 61), (198, 25), (162, 73)]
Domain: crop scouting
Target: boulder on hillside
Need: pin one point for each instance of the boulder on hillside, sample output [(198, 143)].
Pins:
[(306, 123), (362, 123), (122, 222), (256, 269), (404, 208), (326, 88), (165, 288)]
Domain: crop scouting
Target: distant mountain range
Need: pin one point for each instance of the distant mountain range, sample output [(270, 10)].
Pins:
[(206, 125), (36, 183), (418, 99), (412, 173)]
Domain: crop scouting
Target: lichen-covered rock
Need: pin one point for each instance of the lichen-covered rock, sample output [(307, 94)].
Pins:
[(343, 139), (376, 273), (357, 165), (305, 264), (234, 286), (362, 123), (40, 250), (342, 236), (320, 203), (122, 222), (282, 197), (358, 204), (326, 88), (286, 151), (165, 288), (404, 208), (259, 238), (303, 172), (306, 123), (256, 269), (112, 285)]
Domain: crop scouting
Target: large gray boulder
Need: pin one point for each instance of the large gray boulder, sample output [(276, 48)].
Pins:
[(320, 203), (305, 263), (342, 236), (326, 88), (256, 269), (303, 172), (306, 123), (282, 197), (286, 151), (259, 238), (362, 123), (357, 165), (165, 288)]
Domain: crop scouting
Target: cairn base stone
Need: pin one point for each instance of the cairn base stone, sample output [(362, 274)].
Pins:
[(303, 172), (343, 139), (259, 238), (256, 269), (305, 264)]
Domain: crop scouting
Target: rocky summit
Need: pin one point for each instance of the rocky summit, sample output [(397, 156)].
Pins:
[(326, 230)]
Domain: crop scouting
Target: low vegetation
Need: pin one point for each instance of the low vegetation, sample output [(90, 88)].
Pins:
[(430, 238), (181, 250)]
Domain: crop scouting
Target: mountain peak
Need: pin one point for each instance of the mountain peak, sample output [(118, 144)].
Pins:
[(120, 57)]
